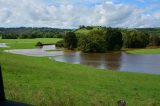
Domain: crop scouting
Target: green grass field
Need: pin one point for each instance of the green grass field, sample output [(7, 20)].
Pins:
[(145, 51), (27, 43), (43, 82)]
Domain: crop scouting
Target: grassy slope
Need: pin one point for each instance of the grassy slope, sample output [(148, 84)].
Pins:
[(145, 51), (40, 81)]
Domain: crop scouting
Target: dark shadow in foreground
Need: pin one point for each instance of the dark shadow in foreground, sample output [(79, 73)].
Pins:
[(3, 101)]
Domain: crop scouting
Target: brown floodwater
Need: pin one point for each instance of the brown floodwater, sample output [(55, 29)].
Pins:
[(39, 52), (146, 63)]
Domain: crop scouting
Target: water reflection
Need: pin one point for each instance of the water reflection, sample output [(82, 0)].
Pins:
[(149, 63), (98, 60)]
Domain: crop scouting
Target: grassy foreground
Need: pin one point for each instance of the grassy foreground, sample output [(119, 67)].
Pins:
[(145, 51), (42, 82)]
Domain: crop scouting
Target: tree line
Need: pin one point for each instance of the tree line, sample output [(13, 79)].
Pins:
[(102, 39), (24, 33)]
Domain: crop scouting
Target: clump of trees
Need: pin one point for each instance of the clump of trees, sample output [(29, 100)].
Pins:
[(102, 39), (96, 40)]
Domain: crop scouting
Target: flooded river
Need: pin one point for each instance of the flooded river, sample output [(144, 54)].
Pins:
[(146, 63), (40, 52), (149, 63)]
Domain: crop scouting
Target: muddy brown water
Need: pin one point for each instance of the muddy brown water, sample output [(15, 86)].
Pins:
[(122, 61), (145, 63)]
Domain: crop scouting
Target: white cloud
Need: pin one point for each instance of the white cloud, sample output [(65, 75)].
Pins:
[(14, 13)]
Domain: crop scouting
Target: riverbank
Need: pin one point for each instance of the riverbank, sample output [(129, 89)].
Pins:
[(40, 81), (145, 51)]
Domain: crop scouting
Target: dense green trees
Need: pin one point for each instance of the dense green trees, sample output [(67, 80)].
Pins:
[(100, 39), (23, 33), (70, 40), (154, 40), (135, 39), (92, 42), (10, 36), (113, 39)]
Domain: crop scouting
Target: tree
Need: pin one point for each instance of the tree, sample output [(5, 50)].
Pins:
[(70, 40), (92, 42), (113, 39), (154, 40), (135, 39)]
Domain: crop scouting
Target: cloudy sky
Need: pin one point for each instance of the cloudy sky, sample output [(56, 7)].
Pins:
[(73, 13)]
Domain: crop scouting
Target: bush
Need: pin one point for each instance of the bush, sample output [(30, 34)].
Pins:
[(39, 44), (60, 43)]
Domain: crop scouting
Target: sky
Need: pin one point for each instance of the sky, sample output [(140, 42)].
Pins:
[(73, 13)]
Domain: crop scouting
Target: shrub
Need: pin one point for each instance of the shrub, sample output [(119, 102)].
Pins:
[(60, 43), (39, 44)]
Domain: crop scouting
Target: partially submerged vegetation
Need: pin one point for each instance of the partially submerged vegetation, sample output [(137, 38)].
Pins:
[(95, 40), (42, 82), (102, 39)]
